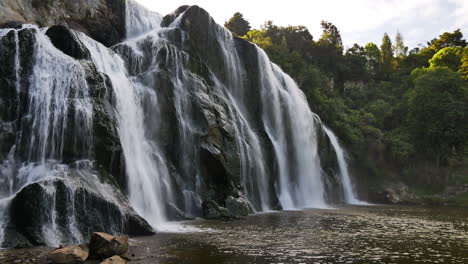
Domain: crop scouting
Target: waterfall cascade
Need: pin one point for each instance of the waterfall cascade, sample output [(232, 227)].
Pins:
[(199, 129)]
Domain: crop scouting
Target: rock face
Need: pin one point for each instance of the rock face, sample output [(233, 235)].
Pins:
[(103, 20), (103, 245), (59, 203), (68, 255)]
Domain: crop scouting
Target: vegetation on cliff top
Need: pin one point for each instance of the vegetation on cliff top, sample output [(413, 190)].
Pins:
[(402, 115)]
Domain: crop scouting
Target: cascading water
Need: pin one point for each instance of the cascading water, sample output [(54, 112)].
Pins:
[(192, 129), (292, 128), (253, 172), (140, 20), (148, 179), (58, 101), (345, 178)]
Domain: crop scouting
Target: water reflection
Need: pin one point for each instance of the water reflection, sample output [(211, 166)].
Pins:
[(377, 234)]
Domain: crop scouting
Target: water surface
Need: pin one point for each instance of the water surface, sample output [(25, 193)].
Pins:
[(352, 234)]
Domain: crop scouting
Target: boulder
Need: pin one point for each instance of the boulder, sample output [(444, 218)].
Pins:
[(66, 40), (114, 260), (238, 207), (103, 245), (68, 255), (31, 210), (391, 196), (211, 210)]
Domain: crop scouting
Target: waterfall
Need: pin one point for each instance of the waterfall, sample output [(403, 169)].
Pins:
[(148, 178), (253, 171), (192, 129), (139, 20), (292, 128), (58, 118), (345, 178)]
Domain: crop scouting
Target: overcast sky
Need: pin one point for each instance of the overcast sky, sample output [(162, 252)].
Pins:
[(359, 21)]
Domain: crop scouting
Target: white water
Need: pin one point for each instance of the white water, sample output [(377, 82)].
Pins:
[(345, 178), (253, 172), (147, 175), (292, 128), (57, 83), (140, 20)]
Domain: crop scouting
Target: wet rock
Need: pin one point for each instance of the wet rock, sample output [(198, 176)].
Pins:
[(175, 214), (114, 260), (238, 207), (211, 210), (391, 196), (32, 208), (68, 255), (66, 40), (103, 245), (168, 19), (103, 20)]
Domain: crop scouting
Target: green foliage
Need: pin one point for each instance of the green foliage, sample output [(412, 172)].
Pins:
[(448, 39), (438, 112), (450, 57), (238, 25), (386, 56), (400, 145), (388, 118), (373, 58), (331, 37)]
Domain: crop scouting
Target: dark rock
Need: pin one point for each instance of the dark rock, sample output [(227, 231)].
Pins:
[(68, 255), (103, 20), (103, 245), (238, 207), (66, 41), (12, 24), (211, 210), (31, 211), (168, 19)]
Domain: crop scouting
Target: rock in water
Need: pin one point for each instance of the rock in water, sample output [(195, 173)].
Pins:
[(211, 210), (114, 260), (238, 207), (103, 245), (68, 255)]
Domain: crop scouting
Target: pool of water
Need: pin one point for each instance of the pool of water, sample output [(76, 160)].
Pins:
[(352, 234)]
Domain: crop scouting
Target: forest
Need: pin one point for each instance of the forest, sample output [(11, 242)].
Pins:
[(401, 113)]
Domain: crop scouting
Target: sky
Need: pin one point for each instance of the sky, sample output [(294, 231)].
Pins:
[(359, 21)]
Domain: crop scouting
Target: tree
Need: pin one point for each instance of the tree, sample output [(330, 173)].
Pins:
[(386, 56), (438, 113), (373, 58), (331, 37), (450, 57), (399, 49), (448, 39), (355, 64), (464, 66), (238, 25)]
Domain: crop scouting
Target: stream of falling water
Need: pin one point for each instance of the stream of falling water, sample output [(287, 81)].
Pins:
[(58, 85), (349, 193)]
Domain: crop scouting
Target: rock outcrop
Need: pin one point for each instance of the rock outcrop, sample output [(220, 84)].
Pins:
[(68, 255), (103, 20), (103, 245)]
